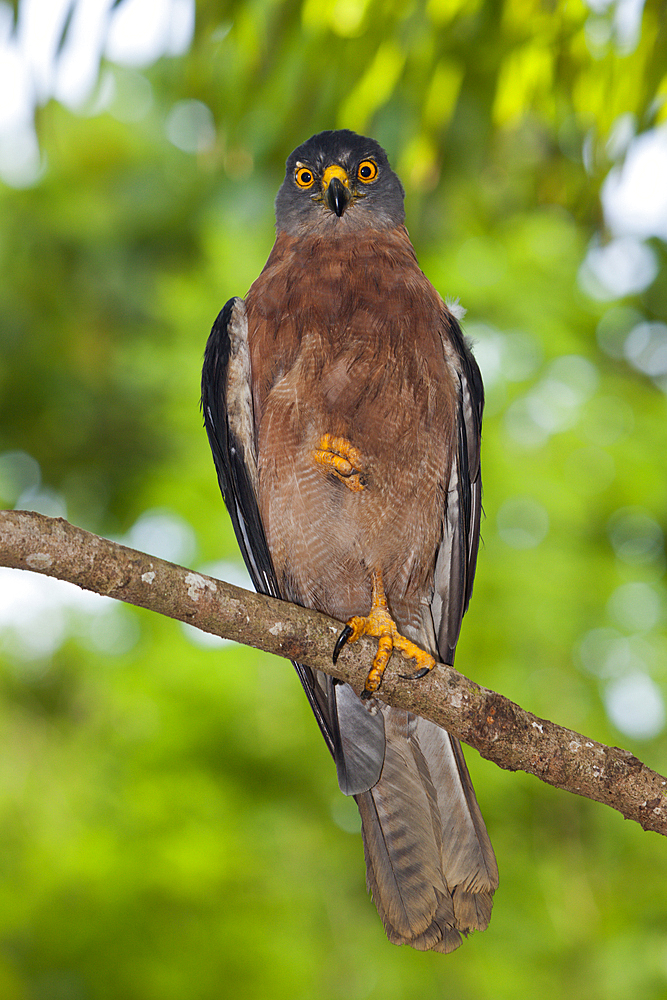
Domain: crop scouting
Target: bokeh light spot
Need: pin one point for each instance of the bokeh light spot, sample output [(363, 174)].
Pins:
[(190, 127), (636, 537), (635, 606), (636, 706), (522, 523), (164, 534)]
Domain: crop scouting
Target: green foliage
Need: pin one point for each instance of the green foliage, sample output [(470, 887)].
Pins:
[(171, 824)]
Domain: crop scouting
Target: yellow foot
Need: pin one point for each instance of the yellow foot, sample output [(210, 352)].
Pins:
[(380, 624), (337, 455)]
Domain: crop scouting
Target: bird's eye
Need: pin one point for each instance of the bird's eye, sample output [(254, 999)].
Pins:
[(367, 171), (304, 177)]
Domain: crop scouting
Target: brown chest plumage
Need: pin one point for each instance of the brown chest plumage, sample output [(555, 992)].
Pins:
[(346, 339)]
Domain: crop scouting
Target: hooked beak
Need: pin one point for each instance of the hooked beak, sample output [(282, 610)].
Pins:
[(337, 196), (336, 188)]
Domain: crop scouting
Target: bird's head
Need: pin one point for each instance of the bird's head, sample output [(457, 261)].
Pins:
[(339, 179)]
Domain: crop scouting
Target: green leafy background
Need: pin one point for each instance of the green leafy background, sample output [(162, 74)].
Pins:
[(170, 823)]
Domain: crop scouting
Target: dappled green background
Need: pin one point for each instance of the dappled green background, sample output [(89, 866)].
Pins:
[(171, 825)]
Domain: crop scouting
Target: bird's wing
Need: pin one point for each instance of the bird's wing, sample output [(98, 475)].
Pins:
[(353, 734), (430, 864), (226, 400), (457, 555)]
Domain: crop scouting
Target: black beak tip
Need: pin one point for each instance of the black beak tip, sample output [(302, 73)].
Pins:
[(338, 196)]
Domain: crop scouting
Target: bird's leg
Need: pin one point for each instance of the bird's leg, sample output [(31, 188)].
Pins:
[(338, 456), (380, 624)]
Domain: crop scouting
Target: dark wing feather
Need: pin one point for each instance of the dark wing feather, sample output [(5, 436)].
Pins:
[(353, 735), (457, 556), (227, 408)]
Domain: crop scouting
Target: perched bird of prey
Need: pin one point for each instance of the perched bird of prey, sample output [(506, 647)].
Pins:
[(343, 408)]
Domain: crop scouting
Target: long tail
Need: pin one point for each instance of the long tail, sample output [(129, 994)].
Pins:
[(430, 866)]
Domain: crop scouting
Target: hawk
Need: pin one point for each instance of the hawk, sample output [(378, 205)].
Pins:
[(343, 408)]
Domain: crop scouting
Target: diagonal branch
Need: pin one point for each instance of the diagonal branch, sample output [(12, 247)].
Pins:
[(499, 729)]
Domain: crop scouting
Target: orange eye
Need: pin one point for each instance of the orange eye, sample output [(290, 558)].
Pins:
[(367, 171), (304, 177)]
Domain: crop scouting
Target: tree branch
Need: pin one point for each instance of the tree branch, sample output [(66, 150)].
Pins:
[(499, 729)]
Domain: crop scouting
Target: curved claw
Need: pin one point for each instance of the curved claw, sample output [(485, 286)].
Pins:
[(341, 641), (417, 674)]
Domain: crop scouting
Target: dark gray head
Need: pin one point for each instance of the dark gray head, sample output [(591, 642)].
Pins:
[(339, 180)]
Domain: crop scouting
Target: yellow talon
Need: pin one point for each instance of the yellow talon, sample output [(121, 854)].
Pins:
[(380, 624), (337, 455)]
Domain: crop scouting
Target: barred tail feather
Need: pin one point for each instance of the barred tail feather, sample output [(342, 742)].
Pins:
[(430, 866)]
